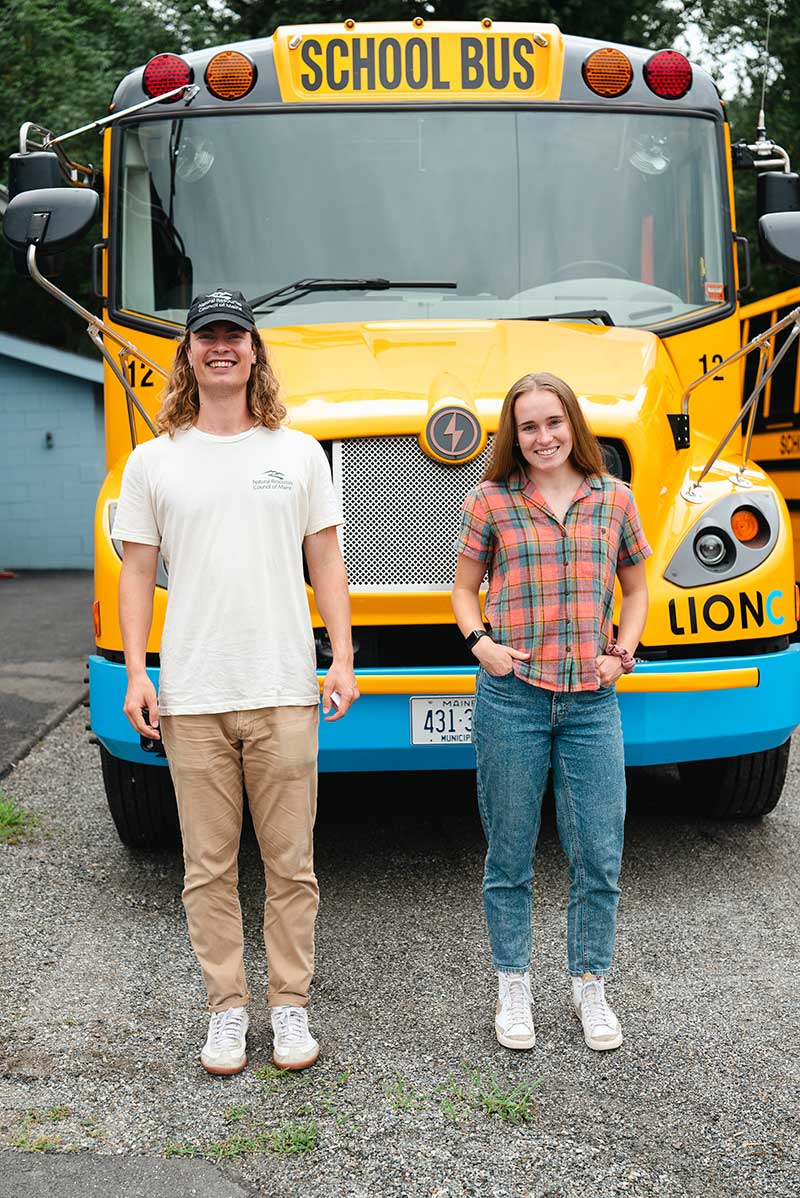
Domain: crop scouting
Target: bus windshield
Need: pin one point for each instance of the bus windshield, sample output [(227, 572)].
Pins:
[(531, 213)]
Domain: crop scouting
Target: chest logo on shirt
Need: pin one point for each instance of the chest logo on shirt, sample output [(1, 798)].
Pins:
[(272, 480)]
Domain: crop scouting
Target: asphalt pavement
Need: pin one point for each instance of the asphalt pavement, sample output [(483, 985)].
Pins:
[(46, 635)]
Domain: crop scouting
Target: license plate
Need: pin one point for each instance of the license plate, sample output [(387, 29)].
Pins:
[(441, 719)]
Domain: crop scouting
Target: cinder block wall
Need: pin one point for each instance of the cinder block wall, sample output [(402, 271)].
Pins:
[(48, 495)]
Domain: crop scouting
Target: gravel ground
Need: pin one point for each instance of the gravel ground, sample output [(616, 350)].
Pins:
[(103, 1009)]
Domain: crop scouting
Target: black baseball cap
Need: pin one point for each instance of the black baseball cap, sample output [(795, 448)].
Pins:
[(220, 305)]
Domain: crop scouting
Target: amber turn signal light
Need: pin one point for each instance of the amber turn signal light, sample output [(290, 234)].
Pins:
[(607, 72), (745, 525), (230, 75), (96, 618)]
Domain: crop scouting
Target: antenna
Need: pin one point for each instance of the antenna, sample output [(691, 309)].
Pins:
[(761, 127)]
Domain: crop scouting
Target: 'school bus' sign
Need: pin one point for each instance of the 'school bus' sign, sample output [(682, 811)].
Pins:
[(325, 65)]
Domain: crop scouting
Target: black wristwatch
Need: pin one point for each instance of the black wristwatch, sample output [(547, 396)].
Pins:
[(474, 637)]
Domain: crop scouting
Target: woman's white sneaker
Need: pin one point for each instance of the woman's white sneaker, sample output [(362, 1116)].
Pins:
[(225, 1050), (294, 1047), (601, 1028), (513, 1023)]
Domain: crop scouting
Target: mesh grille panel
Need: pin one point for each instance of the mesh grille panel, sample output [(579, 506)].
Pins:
[(402, 512)]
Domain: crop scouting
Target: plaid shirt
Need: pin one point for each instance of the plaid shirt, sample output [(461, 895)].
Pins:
[(551, 585)]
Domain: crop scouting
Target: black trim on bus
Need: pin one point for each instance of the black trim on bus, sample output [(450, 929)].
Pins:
[(145, 324), (424, 646), (779, 465), (748, 648)]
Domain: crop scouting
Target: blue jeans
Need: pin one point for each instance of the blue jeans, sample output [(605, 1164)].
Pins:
[(520, 732)]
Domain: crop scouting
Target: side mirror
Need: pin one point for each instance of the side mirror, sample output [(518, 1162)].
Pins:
[(33, 171), (779, 238), (777, 193), (51, 218)]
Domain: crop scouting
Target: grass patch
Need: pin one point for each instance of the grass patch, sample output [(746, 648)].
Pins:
[(484, 1094), (190, 1150), (289, 1139), (28, 1143), (15, 821), (403, 1097), (235, 1114)]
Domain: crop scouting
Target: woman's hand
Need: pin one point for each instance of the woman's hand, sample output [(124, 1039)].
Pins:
[(497, 660), (608, 670)]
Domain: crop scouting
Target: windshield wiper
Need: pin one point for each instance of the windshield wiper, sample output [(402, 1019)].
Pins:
[(301, 287), (587, 314)]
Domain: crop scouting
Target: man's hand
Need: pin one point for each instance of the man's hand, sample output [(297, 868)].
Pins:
[(141, 693), (608, 670), (340, 681), (496, 659)]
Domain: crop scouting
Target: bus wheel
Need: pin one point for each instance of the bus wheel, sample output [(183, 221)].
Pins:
[(744, 787), (142, 803)]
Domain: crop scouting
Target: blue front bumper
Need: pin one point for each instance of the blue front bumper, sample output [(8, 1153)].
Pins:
[(659, 726)]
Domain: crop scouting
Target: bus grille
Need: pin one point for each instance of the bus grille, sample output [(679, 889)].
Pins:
[(401, 512)]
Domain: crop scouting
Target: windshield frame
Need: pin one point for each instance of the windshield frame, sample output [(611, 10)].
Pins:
[(692, 320)]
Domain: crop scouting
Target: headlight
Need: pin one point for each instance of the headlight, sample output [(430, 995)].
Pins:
[(732, 537), (710, 549)]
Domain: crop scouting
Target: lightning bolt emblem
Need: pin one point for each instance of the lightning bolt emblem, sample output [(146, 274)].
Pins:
[(454, 433)]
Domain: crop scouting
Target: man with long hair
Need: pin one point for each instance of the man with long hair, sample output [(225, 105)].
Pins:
[(233, 499)]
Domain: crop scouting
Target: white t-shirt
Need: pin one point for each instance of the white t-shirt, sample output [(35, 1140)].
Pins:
[(230, 514)]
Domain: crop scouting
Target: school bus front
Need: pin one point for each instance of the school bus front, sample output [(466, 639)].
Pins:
[(421, 214)]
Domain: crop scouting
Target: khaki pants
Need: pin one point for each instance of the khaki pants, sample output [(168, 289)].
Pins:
[(274, 751)]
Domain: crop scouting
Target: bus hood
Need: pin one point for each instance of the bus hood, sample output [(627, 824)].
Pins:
[(384, 378)]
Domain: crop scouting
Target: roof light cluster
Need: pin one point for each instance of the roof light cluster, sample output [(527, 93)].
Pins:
[(229, 75), (608, 72)]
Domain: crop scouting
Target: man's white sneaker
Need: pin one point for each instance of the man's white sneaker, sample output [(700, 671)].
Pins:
[(225, 1050), (601, 1028), (294, 1047), (513, 1022)]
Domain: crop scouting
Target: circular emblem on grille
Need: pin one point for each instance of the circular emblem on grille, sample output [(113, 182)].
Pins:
[(453, 434)]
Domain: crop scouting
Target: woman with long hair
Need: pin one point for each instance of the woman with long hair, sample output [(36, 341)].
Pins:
[(554, 530)]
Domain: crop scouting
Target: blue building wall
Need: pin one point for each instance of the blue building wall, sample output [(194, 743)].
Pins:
[(48, 492)]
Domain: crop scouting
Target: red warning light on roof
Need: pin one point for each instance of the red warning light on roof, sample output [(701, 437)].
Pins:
[(668, 74), (164, 73)]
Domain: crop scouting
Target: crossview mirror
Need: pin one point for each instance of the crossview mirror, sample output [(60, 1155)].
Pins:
[(779, 237), (51, 218)]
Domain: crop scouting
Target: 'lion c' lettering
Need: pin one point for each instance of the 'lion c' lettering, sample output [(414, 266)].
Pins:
[(720, 611)]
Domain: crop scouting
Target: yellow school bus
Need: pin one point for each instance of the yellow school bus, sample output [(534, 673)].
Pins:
[(420, 213)]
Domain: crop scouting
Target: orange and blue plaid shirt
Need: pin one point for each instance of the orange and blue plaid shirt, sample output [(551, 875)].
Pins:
[(551, 585)]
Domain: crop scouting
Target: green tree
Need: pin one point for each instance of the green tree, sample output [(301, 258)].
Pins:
[(637, 22), (60, 61), (738, 29)]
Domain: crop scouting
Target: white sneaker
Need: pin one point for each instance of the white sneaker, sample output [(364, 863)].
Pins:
[(294, 1047), (513, 1022), (225, 1050), (601, 1028)]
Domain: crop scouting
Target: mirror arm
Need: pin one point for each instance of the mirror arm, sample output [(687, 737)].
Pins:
[(96, 327), (74, 170)]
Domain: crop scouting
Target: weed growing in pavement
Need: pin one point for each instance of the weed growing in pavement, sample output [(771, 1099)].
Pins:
[(291, 1139), (28, 1143), (235, 1114), (288, 1139), (271, 1073), (403, 1097), (517, 1105), (459, 1099), (57, 1113), (15, 821), (182, 1150)]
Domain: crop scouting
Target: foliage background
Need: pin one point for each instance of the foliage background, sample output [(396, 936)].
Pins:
[(60, 61)]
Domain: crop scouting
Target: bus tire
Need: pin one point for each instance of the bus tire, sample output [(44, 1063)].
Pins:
[(745, 787), (141, 800)]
